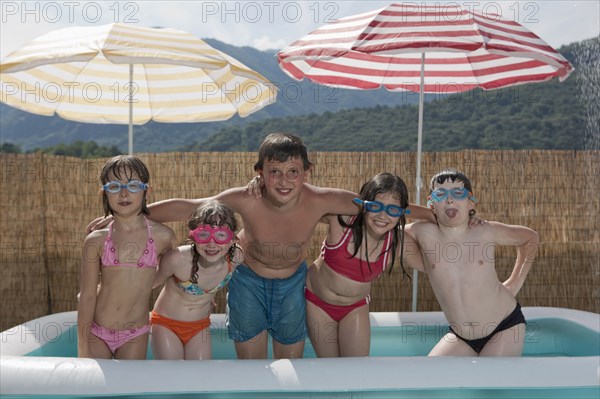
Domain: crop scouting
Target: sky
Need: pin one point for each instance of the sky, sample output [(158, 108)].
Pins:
[(271, 24)]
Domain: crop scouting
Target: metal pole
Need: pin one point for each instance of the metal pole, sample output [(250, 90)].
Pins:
[(418, 181), (130, 109)]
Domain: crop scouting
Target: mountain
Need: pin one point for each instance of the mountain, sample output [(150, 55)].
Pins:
[(551, 115), (295, 98)]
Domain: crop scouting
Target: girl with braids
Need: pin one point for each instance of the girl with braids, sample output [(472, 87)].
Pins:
[(195, 272), (356, 251)]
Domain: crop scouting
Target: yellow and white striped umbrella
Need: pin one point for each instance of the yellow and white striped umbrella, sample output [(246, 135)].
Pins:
[(128, 74)]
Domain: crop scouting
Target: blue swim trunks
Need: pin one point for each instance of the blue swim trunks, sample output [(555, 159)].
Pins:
[(255, 304)]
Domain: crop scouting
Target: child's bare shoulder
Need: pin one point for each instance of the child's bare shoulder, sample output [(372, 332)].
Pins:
[(180, 252), (177, 256), (97, 236), (328, 194), (159, 228), (418, 226)]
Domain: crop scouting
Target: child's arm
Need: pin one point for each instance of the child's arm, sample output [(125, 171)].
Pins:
[(173, 210), (238, 256), (420, 212), (527, 242), (412, 252), (89, 278), (179, 209), (166, 267), (337, 201)]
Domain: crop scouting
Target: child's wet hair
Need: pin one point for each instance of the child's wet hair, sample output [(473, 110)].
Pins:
[(384, 183), (212, 213), (381, 183), (280, 147), (453, 175), (123, 167)]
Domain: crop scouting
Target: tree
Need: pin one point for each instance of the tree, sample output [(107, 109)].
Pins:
[(10, 148)]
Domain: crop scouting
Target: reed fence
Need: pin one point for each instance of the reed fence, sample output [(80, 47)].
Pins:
[(47, 201)]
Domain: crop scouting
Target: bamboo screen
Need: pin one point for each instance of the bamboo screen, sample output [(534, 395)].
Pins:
[(47, 202)]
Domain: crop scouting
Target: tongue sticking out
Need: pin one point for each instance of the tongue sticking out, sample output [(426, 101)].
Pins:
[(451, 213)]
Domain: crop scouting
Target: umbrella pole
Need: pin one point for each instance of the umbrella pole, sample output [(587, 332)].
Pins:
[(418, 181), (130, 109)]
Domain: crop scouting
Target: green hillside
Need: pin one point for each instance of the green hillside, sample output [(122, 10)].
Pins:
[(550, 115), (547, 116), (294, 98)]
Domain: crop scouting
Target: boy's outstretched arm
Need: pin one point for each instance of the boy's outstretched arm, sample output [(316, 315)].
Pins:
[(527, 242), (337, 201), (173, 210), (421, 213)]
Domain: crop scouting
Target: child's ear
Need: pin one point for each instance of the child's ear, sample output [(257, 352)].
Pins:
[(308, 173), (472, 205), (147, 194), (430, 204)]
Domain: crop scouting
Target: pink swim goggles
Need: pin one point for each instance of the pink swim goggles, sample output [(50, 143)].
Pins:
[(220, 234)]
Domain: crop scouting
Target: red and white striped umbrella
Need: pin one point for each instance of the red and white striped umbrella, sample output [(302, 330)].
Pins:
[(464, 50), (424, 49)]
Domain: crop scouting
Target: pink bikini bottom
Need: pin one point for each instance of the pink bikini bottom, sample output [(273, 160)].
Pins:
[(114, 339)]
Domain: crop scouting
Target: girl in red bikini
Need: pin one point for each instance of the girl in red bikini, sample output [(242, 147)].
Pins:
[(195, 272), (356, 251), (118, 267)]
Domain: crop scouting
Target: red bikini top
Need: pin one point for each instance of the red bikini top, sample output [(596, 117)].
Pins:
[(341, 261)]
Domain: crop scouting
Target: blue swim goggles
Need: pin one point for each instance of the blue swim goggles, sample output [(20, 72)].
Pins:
[(132, 186), (458, 193), (376, 207)]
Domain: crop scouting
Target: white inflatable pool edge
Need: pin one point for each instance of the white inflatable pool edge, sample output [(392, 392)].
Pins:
[(22, 375)]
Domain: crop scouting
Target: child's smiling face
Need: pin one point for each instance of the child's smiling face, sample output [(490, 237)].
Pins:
[(379, 223), (125, 202), (284, 180)]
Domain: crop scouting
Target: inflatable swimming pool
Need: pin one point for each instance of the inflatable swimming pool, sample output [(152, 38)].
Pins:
[(561, 360)]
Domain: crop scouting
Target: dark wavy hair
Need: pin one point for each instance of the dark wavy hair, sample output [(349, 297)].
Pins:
[(450, 174), (280, 147), (213, 213), (123, 167), (381, 183)]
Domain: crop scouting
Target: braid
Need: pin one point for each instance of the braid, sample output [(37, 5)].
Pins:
[(195, 264)]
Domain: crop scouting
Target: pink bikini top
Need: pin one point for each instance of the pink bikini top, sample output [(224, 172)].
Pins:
[(110, 257), (339, 259)]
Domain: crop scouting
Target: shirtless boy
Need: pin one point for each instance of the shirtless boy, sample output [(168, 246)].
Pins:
[(266, 295), (484, 317)]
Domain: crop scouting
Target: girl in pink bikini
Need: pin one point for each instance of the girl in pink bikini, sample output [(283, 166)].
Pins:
[(356, 251), (118, 267), (195, 272)]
